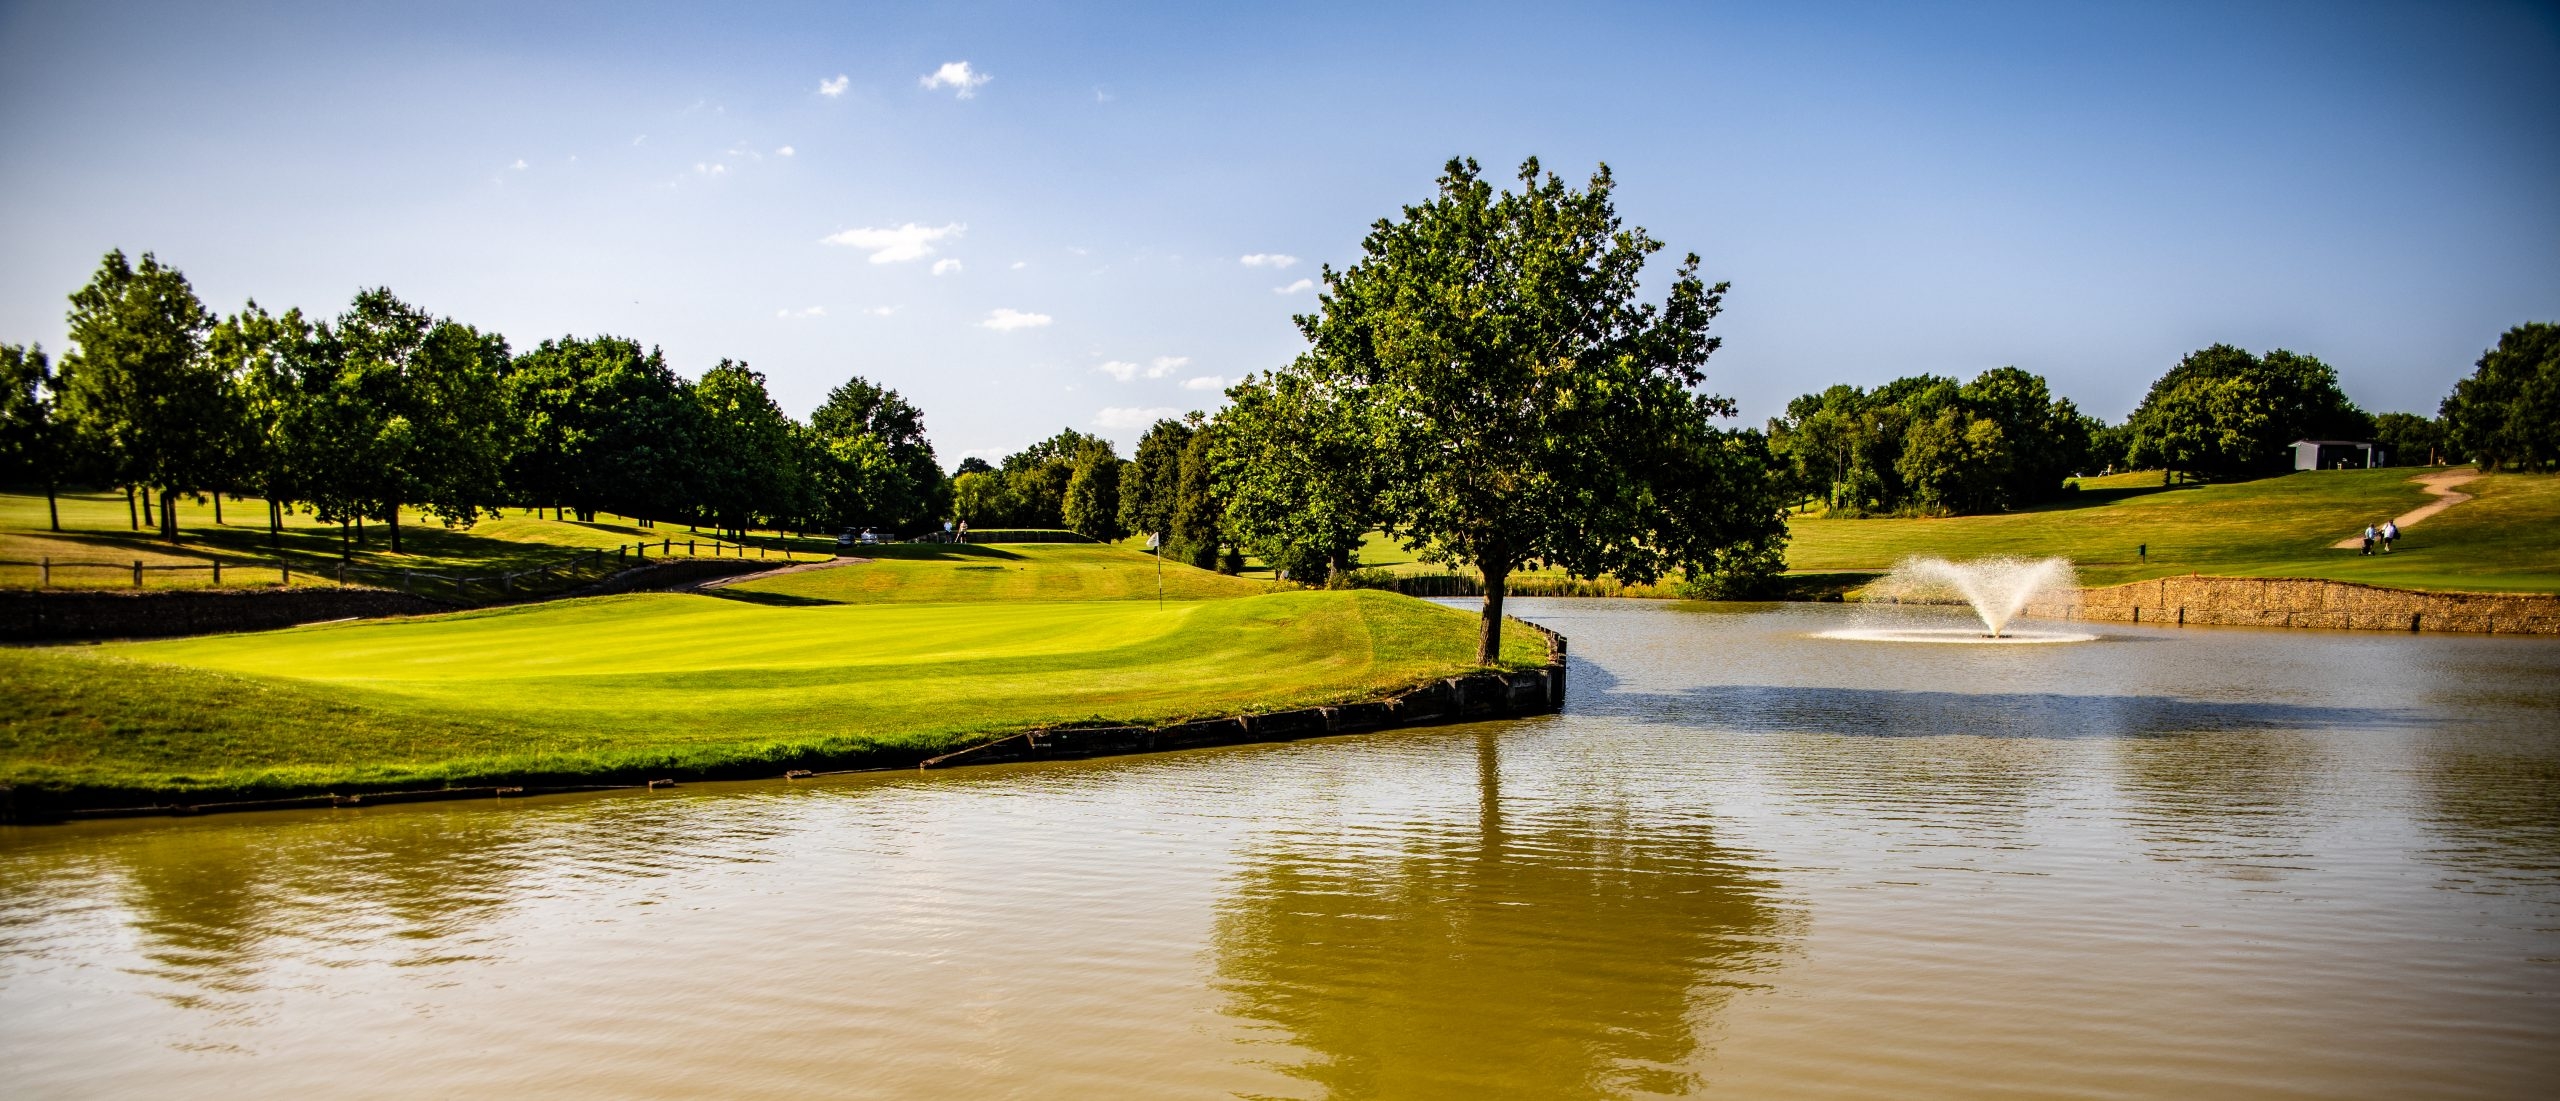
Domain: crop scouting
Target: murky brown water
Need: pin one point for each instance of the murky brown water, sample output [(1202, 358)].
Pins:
[(1746, 862)]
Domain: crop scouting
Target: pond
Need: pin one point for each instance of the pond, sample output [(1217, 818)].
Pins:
[(1745, 860)]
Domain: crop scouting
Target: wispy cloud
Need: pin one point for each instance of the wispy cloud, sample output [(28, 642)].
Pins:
[(896, 244), (1007, 320), (1294, 288), (1119, 369), (1018, 265), (1166, 365), (521, 166), (957, 76), (813, 311), (1100, 96), (786, 151), (1117, 416), (1205, 382), (836, 87), (945, 266), (881, 311), (1267, 260), (702, 169)]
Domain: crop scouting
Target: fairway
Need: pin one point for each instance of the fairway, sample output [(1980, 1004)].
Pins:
[(947, 572), (617, 685)]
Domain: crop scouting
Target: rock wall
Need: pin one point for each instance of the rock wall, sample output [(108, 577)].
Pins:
[(2307, 602)]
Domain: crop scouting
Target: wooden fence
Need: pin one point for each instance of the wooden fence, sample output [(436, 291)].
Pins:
[(563, 573)]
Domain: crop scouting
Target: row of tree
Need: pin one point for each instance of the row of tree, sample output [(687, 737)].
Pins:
[(387, 407), (1927, 444)]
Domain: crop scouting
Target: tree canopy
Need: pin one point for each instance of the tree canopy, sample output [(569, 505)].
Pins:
[(1522, 405), (2507, 414)]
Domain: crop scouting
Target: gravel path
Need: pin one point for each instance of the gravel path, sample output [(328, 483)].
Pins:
[(2441, 484)]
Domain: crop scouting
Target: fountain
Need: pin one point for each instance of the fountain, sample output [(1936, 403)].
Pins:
[(1998, 589)]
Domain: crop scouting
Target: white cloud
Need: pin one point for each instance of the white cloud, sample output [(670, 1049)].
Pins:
[(1100, 96), (1006, 320), (786, 151), (945, 266), (1018, 265), (1115, 416), (895, 245), (701, 169), (836, 87), (1267, 260), (813, 311), (1119, 369), (956, 75), (520, 165), (881, 311), (1166, 365), (1205, 382), (1294, 288)]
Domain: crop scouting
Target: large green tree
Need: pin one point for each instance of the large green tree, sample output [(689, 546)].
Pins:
[(894, 480), (30, 435), (598, 423), (2507, 414), (1093, 494), (1528, 408), (746, 459), (1296, 471), (271, 363), (403, 409), (145, 403), (2251, 407), (1151, 485)]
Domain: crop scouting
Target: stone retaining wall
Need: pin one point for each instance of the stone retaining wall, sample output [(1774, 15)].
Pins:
[(2307, 602)]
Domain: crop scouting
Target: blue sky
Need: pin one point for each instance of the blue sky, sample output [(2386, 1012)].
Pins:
[(1057, 232)]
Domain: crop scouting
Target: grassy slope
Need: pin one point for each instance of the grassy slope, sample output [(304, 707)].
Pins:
[(97, 529), (912, 572), (620, 685), (2507, 539)]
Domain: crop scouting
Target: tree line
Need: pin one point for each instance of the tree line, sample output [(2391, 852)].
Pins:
[(1931, 445), (388, 407)]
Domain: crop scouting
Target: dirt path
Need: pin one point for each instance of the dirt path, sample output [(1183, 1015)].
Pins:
[(2440, 484), (759, 575)]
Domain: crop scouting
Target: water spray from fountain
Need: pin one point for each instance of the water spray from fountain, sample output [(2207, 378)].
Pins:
[(1998, 589)]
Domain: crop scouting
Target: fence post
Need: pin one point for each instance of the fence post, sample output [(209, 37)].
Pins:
[(342, 575), (284, 570), (45, 579), (217, 573), (690, 551), (137, 573)]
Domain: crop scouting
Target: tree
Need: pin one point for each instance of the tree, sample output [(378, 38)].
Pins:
[(269, 363), (1955, 463), (973, 465), (1527, 408), (745, 462), (2275, 400), (1295, 470), (2507, 414), (30, 444), (138, 392), (908, 489), (1093, 494), (980, 499), (405, 409), (599, 424), (2408, 439), (1194, 534), (1036, 477), (1149, 488)]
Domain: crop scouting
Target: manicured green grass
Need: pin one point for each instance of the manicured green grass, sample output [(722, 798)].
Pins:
[(97, 529), (2508, 539), (619, 686), (941, 573)]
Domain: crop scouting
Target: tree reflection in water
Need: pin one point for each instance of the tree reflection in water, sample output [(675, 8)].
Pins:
[(1548, 951)]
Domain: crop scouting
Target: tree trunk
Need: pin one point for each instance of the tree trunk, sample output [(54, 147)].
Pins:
[(169, 515), (395, 529), (52, 511), (359, 529), (131, 514), (1489, 643), (217, 508)]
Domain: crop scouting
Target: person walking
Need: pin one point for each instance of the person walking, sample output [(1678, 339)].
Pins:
[(2143, 552), (2390, 534), (2368, 539)]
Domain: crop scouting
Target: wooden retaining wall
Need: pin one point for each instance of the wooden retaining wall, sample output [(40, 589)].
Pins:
[(2308, 602)]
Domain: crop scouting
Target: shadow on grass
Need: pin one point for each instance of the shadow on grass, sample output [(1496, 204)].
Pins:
[(937, 552), (770, 600)]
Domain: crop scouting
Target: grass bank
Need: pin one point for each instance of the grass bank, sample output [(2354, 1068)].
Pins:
[(693, 684), (2507, 539), (949, 572)]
